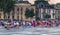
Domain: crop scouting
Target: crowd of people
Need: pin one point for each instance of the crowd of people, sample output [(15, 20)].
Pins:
[(16, 24)]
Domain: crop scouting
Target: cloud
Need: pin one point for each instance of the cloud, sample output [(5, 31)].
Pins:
[(50, 2), (54, 1)]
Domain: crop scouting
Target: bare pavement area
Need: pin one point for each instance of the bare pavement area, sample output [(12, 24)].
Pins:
[(30, 31)]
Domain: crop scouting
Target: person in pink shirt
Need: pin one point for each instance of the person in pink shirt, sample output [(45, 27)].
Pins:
[(42, 23), (49, 24), (34, 23)]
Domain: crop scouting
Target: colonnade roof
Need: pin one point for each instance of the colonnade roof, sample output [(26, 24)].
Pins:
[(25, 2)]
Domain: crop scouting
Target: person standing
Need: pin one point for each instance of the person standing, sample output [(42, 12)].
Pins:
[(17, 24), (42, 23), (30, 24), (34, 23), (23, 24), (49, 24)]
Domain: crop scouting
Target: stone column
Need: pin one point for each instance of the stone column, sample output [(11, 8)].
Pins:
[(56, 14), (51, 13), (23, 15), (19, 13), (41, 13), (15, 13)]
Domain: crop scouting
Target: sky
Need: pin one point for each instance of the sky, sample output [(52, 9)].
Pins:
[(50, 2), (54, 1)]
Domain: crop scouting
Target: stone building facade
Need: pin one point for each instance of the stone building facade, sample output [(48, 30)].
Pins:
[(42, 8), (1, 15), (18, 13), (20, 9), (57, 7)]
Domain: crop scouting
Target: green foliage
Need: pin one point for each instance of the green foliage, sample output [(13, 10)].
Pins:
[(38, 1), (7, 5), (0, 4), (47, 16), (29, 13)]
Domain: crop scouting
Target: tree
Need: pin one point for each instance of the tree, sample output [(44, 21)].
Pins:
[(47, 16), (6, 6), (29, 13), (0, 4)]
